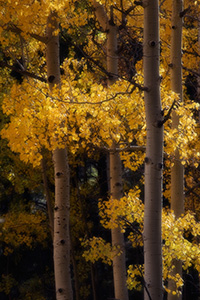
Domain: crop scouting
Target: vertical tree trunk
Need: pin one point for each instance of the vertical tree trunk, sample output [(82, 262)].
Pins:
[(61, 242), (119, 261), (116, 187), (115, 167), (154, 156), (177, 171)]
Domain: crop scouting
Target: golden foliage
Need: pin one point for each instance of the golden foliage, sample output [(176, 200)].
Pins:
[(180, 237)]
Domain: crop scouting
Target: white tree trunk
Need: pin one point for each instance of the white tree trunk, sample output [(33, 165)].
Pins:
[(177, 171), (116, 187), (154, 156), (115, 164), (61, 226), (61, 243), (119, 261)]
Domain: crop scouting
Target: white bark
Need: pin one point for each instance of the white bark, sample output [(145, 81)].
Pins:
[(61, 241), (116, 188), (61, 226), (119, 261), (154, 156), (115, 167)]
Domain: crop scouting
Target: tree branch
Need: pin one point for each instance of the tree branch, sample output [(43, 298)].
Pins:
[(23, 72), (101, 15), (13, 28), (192, 71), (128, 149)]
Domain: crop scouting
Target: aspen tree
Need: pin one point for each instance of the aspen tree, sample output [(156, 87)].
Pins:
[(115, 164), (177, 170), (23, 20), (116, 185), (61, 241), (154, 155)]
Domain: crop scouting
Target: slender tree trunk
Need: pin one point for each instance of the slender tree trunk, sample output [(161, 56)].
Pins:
[(177, 171), (116, 187), (61, 242), (154, 156), (119, 261), (115, 164)]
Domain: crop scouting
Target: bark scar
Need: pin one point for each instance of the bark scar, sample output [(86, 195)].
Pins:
[(59, 174)]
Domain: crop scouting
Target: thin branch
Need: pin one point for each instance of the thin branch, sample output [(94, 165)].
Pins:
[(184, 12), (130, 225), (161, 3), (109, 74), (99, 102), (194, 53), (192, 189), (13, 28), (191, 71), (106, 150), (193, 18), (128, 149), (22, 72)]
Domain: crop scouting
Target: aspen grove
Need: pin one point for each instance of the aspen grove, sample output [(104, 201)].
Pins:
[(99, 160)]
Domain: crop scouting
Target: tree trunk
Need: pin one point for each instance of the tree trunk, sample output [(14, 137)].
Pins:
[(119, 261), (177, 171), (115, 167), (116, 187), (154, 156), (61, 242)]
